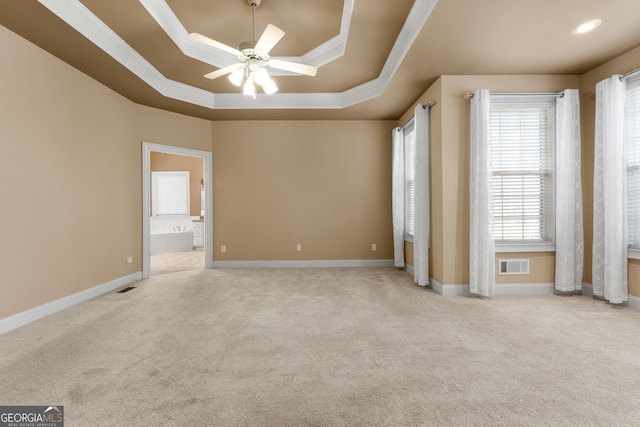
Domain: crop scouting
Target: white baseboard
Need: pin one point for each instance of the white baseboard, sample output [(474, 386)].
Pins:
[(525, 288), (501, 289), (17, 320), (449, 290), (305, 263), (634, 302), (409, 269)]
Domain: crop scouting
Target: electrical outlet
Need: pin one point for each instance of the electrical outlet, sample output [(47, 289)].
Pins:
[(374, 247), (223, 248), (299, 247), (129, 260)]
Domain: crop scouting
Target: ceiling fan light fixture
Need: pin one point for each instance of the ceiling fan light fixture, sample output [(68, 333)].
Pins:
[(249, 88), (236, 77), (261, 76), (269, 87), (253, 57)]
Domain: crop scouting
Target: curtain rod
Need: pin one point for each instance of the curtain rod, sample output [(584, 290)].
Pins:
[(430, 103), (469, 95)]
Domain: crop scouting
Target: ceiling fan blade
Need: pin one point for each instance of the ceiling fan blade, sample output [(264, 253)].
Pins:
[(269, 38), (295, 67), (223, 71), (213, 43)]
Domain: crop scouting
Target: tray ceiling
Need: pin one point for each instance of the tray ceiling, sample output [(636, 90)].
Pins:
[(375, 57)]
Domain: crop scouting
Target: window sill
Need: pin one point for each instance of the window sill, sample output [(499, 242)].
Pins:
[(526, 247), (634, 253)]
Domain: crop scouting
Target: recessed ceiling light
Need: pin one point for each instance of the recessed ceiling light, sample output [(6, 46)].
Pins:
[(587, 26)]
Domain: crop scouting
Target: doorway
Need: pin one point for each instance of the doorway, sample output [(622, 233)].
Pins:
[(207, 220)]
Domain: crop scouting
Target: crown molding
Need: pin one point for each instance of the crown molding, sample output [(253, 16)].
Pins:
[(84, 21), (318, 56), (418, 16), (168, 21)]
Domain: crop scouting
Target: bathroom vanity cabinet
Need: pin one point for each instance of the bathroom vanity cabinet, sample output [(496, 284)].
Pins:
[(198, 234)]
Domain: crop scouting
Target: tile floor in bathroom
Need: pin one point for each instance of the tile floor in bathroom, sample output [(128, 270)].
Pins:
[(177, 261)]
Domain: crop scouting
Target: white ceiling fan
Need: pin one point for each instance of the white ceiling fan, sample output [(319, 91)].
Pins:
[(254, 57)]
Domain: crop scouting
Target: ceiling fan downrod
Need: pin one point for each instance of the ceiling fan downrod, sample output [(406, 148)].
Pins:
[(254, 4)]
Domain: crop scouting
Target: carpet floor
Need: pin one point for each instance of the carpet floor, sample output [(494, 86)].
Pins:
[(176, 261), (326, 347)]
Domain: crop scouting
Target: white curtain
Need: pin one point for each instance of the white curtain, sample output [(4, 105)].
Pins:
[(569, 229), (422, 226), (397, 195), (610, 238), (482, 247)]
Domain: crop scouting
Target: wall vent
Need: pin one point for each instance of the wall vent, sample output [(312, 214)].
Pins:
[(514, 266)]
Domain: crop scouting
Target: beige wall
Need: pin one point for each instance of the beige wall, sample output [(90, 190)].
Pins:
[(177, 130), (71, 176), (620, 65), (323, 184), (173, 162), (67, 177), (542, 267), (450, 172)]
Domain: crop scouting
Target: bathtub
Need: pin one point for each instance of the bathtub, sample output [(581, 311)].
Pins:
[(162, 242)]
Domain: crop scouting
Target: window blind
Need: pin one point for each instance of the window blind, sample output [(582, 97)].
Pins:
[(170, 193), (522, 162), (632, 141), (410, 177)]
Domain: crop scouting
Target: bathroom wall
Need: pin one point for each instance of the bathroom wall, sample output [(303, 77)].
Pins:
[(173, 162)]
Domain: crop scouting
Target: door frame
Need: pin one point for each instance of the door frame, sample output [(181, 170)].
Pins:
[(147, 148)]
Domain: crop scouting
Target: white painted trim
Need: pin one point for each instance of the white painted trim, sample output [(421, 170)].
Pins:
[(86, 23), (409, 269), (418, 16), (328, 51), (147, 148), (633, 302), (525, 288), (450, 290), (501, 289), (17, 320), (435, 285), (74, 13), (282, 100), (525, 247), (305, 263), (634, 253)]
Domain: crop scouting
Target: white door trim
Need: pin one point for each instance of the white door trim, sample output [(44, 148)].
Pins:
[(147, 148)]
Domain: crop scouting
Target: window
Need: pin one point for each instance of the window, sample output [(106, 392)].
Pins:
[(632, 141), (170, 195), (410, 179), (522, 144)]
